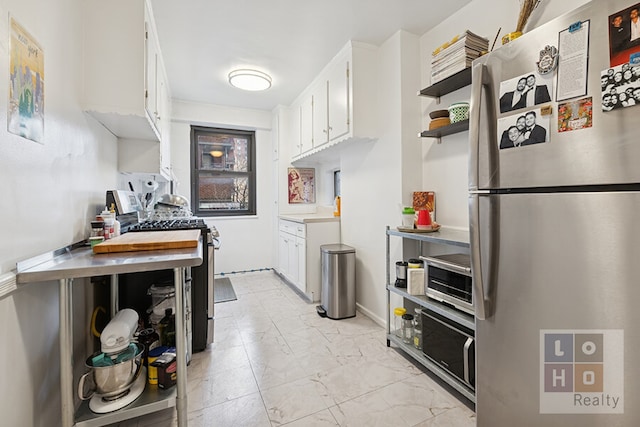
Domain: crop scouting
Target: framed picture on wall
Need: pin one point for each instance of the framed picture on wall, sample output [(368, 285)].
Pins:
[(302, 185), (26, 85)]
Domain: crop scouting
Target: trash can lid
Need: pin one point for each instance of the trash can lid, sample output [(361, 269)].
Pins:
[(337, 248)]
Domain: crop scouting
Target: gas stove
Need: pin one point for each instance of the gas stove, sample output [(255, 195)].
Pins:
[(169, 224)]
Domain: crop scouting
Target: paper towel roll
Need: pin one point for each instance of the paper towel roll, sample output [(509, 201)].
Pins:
[(151, 185)]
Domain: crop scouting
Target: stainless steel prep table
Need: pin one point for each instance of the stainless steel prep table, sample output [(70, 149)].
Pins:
[(78, 261)]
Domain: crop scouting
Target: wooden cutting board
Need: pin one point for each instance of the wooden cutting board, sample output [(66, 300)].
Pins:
[(149, 241)]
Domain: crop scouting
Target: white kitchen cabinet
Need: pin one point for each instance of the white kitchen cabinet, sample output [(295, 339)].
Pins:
[(342, 96), (299, 252), (320, 114), (125, 87), (306, 125)]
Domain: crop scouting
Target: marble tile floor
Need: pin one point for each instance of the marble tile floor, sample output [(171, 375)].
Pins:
[(275, 362)]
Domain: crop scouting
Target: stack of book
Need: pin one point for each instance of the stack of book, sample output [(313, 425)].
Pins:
[(456, 55)]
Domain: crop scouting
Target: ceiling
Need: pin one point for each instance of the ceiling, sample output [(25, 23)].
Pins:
[(291, 40)]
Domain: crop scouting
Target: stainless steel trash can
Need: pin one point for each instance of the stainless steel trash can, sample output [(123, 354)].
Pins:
[(338, 296)]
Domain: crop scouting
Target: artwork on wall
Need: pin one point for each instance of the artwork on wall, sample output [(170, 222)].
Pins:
[(302, 185), (26, 85)]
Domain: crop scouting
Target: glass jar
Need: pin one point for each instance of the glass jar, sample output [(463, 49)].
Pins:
[(417, 329), (407, 328), (397, 320)]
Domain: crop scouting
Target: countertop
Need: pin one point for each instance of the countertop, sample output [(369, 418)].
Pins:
[(78, 260), (310, 217)]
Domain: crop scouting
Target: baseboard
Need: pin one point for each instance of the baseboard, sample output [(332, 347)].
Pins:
[(371, 315)]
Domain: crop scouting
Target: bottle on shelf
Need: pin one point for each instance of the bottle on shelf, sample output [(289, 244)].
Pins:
[(417, 328), (168, 328), (407, 328), (397, 322)]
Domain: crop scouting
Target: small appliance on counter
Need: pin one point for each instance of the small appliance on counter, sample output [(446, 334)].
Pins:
[(401, 274), (116, 371), (448, 280)]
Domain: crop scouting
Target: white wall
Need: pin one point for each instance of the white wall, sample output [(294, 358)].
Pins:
[(50, 192), (247, 242), (445, 164), (377, 177)]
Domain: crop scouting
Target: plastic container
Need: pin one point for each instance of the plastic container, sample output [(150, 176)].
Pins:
[(408, 217), (398, 312), (459, 112)]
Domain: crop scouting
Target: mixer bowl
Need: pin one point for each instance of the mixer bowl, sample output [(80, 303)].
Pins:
[(112, 381)]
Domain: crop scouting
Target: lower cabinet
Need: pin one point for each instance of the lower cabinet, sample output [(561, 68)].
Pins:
[(299, 253), (447, 335)]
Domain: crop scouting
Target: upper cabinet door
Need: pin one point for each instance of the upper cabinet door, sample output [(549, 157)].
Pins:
[(320, 114), (151, 75), (306, 124), (338, 90)]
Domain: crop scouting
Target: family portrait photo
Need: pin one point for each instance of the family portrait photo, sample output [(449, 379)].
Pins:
[(525, 91), (624, 36), (528, 128)]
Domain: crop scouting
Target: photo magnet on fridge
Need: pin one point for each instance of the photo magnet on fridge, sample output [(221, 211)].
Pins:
[(525, 91), (624, 36), (620, 87), (527, 128)]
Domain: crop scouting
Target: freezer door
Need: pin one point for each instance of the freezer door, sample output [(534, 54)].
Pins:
[(556, 267), (605, 153)]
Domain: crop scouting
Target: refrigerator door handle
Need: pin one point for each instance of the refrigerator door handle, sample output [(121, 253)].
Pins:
[(466, 359), (480, 302), (480, 78)]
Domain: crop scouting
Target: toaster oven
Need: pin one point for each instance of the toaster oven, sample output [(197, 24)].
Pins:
[(448, 280)]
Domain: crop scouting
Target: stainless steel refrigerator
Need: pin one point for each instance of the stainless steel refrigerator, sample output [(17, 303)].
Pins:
[(555, 228)]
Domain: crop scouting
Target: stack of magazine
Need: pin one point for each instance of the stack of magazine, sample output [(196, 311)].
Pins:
[(456, 55)]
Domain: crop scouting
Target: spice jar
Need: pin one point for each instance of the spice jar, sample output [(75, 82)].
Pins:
[(397, 321), (407, 328)]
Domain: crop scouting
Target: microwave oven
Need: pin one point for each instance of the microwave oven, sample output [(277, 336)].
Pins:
[(450, 345), (448, 280)]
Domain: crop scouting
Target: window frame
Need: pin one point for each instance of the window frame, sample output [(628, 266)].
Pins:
[(197, 173)]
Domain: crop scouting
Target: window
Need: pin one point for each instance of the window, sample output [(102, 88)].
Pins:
[(223, 172)]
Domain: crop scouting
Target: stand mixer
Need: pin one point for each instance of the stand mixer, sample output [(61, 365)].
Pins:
[(116, 369)]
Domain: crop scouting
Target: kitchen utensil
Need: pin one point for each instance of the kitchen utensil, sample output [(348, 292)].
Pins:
[(149, 241), (173, 200), (114, 371), (439, 122), (424, 219), (114, 380), (437, 114), (459, 112)]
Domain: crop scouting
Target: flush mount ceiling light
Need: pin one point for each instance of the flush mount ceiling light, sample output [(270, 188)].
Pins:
[(249, 79), (216, 153)]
